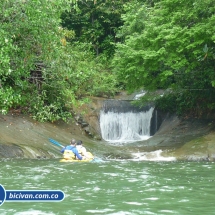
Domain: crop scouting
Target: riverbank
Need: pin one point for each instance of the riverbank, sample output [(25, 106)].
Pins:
[(185, 139), (23, 137)]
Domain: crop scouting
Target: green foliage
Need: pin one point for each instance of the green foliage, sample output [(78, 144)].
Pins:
[(35, 59), (95, 22), (40, 71), (169, 44), (90, 76), (196, 103), (29, 35), (9, 98), (104, 80), (51, 112), (167, 103)]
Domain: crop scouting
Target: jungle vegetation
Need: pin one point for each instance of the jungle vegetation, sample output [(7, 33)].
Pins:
[(57, 53)]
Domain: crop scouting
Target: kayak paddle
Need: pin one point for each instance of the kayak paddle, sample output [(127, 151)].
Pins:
[(55, 142)]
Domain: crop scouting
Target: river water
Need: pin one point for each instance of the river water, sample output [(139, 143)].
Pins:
[(116, 187)]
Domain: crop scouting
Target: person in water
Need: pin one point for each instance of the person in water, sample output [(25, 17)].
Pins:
[(70, 152), (82, 150)]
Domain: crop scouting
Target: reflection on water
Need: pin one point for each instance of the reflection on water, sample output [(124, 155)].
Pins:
[(112, 187)]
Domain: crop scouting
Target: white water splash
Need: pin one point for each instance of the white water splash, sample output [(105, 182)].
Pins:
[(121, 127), (152, 156), (138, 96), (32, 153), (34, 212)]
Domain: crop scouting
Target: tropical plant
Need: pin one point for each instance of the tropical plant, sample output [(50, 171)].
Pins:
[(96, 23), (32, 55), (170, 44), (40, 71)]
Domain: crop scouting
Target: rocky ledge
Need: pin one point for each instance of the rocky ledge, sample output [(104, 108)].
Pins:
[(184, 139)]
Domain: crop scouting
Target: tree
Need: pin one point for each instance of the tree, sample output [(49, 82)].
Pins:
[(95, 22), (40, 71), (32, 56), (170, 45)]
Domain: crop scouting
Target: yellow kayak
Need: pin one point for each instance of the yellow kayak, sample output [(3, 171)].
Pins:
[(74, 160), (68, 156)]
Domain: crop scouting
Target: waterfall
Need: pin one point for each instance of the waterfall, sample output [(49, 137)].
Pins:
[(156, 120), (125, 126)]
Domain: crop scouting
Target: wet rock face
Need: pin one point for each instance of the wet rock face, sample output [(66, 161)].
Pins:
[(198, 149), (175, 132), (190, 140), (87, 116), (20, 136), (23, 137), (174, 135), (122, 106), (89, 124), (10, 151)]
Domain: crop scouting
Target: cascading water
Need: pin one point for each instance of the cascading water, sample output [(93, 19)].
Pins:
[(125, 126), (121, 122)]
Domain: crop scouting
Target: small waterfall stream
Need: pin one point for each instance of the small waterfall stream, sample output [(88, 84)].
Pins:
[(121, 122)]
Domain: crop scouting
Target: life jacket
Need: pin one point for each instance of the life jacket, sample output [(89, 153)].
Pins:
[(90, 155), (69, 155), (80, 150)]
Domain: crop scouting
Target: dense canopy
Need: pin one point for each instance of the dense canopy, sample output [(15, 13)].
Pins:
[(170, 45), (55, 54), (41, 72)]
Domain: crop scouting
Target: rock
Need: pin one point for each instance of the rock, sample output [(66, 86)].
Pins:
[(88, 117), (10, 151), (185, 139)]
